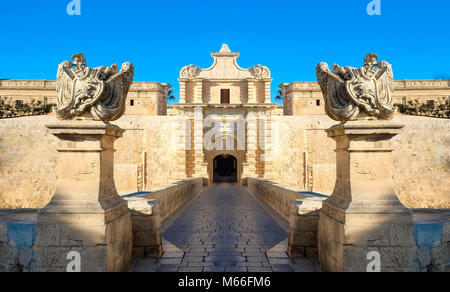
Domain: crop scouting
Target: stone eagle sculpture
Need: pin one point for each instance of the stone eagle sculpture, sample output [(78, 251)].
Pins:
[(92, 93), (358, 93)]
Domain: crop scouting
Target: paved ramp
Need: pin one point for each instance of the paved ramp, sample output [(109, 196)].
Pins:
[(225, 230)]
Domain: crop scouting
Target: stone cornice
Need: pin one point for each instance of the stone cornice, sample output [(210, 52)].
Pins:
[(225, 80), (399, 85), (51, 85)]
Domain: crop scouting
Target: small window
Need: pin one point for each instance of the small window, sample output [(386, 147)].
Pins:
[(430, 103), (131, 102), (225, 96), (318, 102), (19, 103)]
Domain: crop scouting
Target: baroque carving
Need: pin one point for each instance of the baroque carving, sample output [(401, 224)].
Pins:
[(358, 93), (260, 72), (190, 72), (92, 93)]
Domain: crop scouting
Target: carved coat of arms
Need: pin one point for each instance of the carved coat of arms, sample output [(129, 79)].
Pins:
[(92, 93), (358, 93)]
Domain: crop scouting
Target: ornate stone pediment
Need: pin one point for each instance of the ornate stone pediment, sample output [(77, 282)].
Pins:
[(354, 94), (225, 67), (260, 72), (92, 93), (190, 72)]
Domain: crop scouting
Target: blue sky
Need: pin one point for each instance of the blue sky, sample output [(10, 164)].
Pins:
[(289, 36)]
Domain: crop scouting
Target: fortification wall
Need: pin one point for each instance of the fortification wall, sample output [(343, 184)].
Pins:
[(28, 158), (421, 158), (146, 157)]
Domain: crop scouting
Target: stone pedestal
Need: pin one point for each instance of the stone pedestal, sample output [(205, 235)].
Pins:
[(364, 214), (86, 214)]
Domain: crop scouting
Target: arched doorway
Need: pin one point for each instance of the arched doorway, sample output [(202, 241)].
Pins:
[(225, 169)]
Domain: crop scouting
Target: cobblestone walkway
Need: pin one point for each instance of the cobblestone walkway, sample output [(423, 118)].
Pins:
[(225, 230)]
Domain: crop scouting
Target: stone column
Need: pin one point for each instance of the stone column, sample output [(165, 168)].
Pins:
[(86, 214), (364, 214)]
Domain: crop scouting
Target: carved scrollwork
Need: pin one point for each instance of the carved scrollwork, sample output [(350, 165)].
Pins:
[(92, 93), (190, 72), (358, 93), (260, 72)]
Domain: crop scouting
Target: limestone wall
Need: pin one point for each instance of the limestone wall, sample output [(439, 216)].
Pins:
[(28, 158), (146, 157), (28, 162), (238, 91), (421, 158)]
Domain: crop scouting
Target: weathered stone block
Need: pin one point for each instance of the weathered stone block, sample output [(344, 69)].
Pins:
[(424, 255), (302, 238), (3, 231), (367, 235), (95, 259), (8, 254), (48, 235), (143, 223), (304, 222), (146, 238), (312, 252), (446, 231), (355, 258), (83, 235), (400, 259), (401, 235), (52, 259), (25, 255), (438, 255)]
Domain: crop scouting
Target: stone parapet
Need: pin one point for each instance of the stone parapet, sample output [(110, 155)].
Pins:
[(301, 209), (148, 209)]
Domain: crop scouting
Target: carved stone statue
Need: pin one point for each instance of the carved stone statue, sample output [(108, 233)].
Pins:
[(358, 93), (92, 93)]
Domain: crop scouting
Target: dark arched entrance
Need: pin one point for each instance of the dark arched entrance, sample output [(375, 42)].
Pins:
[(225, 169)]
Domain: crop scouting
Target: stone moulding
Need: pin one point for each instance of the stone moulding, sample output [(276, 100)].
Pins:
[(92, 93), (358, 93)]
